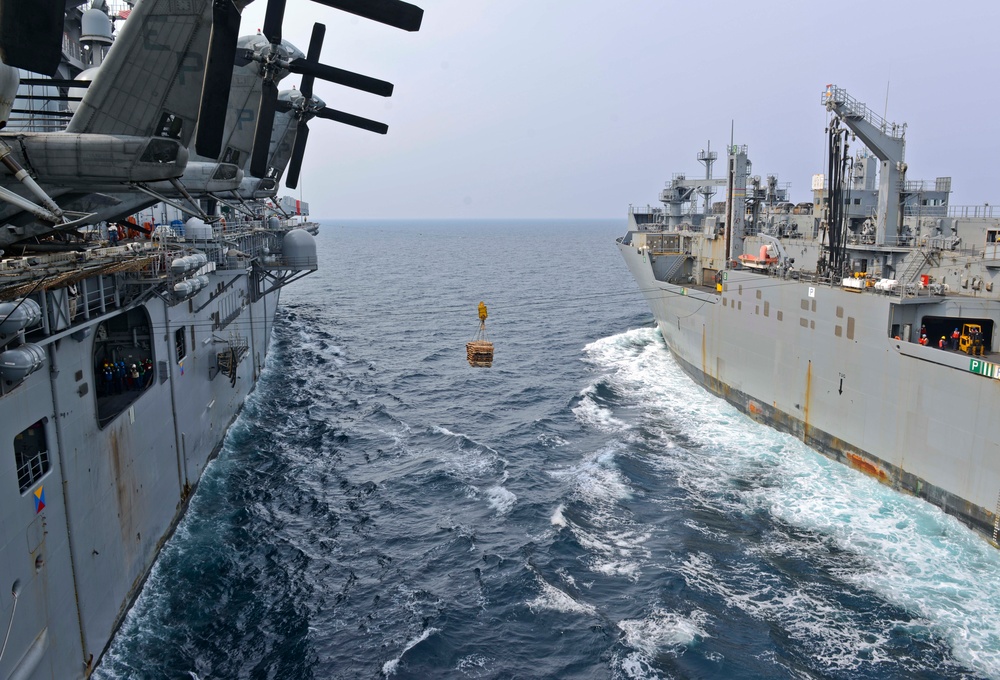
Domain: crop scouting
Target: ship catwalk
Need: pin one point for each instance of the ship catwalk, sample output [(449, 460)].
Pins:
[(863, 321)]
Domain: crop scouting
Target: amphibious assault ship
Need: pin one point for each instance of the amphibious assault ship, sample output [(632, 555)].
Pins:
[(863, 321), (143, 256)]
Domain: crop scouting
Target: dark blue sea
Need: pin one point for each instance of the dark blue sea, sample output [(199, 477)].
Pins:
[(579, 510)]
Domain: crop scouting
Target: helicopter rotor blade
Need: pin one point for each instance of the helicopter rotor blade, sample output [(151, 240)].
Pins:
[(392, 12), (352, 120), (273, 16), (218, 79), (262, 134), (298, 152), (339, 76), (31, 34), (315, 47)]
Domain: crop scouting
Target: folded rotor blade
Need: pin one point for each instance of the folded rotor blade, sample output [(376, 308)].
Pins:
[(351, 119), (31, 33), (55, 82), (273, 16), (315, 47), (341, 77), (218, 79), (392, 12), (298, 152), (262, 134)]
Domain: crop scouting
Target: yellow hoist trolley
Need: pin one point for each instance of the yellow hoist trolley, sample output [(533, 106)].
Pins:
[(479, 349)]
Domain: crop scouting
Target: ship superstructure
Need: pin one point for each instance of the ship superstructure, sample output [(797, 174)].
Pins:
[(863, 321)]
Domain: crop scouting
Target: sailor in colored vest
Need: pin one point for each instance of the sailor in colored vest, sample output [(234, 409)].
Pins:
[(942, 342), (955, 335), (109, 378), (120, 372)]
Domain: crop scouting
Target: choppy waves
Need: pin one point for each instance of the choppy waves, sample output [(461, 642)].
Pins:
[(861, 576), (378, 517)]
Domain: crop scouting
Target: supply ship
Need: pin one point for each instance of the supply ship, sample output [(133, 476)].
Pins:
[(863, 321), (143, 256)]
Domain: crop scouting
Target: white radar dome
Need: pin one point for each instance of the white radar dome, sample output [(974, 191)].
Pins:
[(298, 249)]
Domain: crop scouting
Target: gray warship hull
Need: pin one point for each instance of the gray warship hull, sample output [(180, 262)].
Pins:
[(863, 322), (141, 266), (822, 367)]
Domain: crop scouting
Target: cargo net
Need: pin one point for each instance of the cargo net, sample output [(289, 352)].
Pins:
[(480, 349), (230, 358)]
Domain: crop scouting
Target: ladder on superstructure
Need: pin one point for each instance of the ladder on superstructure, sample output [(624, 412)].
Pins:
[(675, 267), (920, 258)]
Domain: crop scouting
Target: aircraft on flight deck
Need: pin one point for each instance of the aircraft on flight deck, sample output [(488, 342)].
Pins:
[(104, 151)]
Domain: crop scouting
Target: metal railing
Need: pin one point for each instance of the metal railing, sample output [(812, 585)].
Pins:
[(984, 210), (910, 210), (837, 96)]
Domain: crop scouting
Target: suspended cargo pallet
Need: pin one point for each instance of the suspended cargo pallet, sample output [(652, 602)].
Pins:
[(480, 353), (479, 349)]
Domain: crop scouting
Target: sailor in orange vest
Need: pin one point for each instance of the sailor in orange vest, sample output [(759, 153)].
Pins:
[(955, 335), (942, 342), (923, 340)]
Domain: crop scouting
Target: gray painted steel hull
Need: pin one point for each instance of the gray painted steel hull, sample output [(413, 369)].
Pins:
[(113, 495), (818, 361)]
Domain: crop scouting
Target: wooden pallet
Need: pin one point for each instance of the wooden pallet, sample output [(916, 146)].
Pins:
[(480, 353)]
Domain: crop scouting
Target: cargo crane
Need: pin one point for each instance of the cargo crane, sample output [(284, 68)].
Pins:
[(885, 140)]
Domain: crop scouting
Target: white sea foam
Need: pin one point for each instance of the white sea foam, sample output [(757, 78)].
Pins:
[(616, 544), (567, 577), (614, 553), (903, 550), (590, 413), (461, 435), (663, 631), (475, 666), (500, 499), (552, 598), (551, 440), (557, 518), (468, 463), (808, 614), (389, 667), (635, 666), (596, 478)]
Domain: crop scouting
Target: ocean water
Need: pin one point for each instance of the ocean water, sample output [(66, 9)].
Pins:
[(580, 510)]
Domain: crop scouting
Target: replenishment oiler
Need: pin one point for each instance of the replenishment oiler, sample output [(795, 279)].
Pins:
[(143, 255), (863, 321)]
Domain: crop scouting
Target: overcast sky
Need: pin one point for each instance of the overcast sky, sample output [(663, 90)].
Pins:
[(577, 108)]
